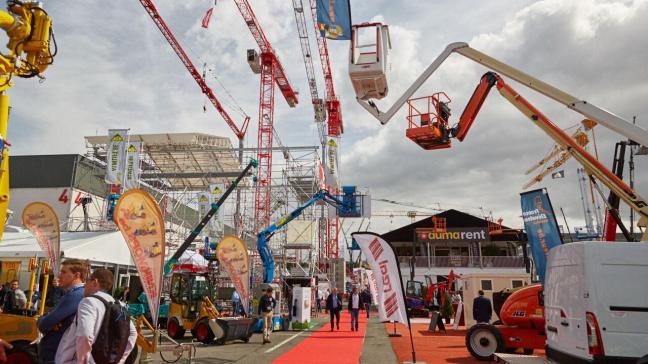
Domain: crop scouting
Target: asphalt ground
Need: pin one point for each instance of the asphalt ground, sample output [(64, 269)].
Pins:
[(376, 347)]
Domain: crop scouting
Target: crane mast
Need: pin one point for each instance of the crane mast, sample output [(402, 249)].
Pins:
[(272, 72), (334, 111), (177, 48), (302, 31)]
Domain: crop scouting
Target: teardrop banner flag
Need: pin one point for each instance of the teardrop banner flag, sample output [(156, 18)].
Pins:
[(384, 265), (41, 220), (232, 255), (383, 262), (140, 221)]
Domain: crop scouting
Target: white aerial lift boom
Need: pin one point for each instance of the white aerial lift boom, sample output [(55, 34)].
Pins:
[(603, 117), (363, 89)]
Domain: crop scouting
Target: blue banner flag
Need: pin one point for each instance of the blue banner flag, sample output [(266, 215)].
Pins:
[(541, 227), (334, 19)]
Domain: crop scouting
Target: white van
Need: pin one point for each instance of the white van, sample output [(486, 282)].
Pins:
[(596, 302)]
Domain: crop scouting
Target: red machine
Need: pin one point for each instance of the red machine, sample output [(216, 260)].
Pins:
[(522, 326), (522, 314), (428, 121)]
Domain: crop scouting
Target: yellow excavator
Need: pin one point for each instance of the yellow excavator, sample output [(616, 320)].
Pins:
[(29, 30)]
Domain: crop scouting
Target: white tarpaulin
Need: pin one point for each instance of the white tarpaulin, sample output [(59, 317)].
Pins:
[(382, 261), (299, 232), (217, 227)]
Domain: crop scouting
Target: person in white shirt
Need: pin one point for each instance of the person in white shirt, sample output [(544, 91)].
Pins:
[(355, 303), (76, 344)]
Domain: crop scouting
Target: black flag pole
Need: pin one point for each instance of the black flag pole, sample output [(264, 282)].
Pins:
[(409, 325)]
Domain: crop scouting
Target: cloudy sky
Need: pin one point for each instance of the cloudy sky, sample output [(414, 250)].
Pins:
[(114, 69)]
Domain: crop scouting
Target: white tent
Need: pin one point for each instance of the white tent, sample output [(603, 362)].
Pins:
[(107, 247), (193, 258)]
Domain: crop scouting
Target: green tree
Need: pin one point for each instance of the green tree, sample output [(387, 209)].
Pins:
[(446, 309)]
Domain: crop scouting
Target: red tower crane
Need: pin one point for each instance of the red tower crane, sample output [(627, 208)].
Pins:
[(177, 48), (272, 72), (335, 126)]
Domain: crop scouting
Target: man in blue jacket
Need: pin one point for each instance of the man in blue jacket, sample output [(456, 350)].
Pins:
[(54, 324)]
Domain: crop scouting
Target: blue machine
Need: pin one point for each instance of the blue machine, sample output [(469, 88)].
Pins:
[(112, 202), (347, 206)]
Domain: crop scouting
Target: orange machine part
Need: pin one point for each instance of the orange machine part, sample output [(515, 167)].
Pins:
[(522, 308)]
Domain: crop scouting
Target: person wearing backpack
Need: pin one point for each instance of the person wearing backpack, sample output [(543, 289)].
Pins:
[(54, 324), (102, 331)]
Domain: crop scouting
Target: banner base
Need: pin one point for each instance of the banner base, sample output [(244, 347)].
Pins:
[(395, 334)]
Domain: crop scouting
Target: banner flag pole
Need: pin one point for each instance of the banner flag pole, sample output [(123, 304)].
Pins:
[(382, 259)]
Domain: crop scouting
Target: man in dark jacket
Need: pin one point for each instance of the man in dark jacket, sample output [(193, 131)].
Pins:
[(334, 306), (266, 309), (482, 308), (54, 324), (366, 300)]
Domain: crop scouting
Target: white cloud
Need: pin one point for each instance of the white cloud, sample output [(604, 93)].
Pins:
[(114, 69)]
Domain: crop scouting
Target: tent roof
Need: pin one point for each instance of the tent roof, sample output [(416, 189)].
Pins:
[(101, 247), (454, 219)]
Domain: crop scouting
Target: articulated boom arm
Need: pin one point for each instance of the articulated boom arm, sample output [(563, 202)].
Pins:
[(214, 208), (591, 164), (265, 235), (177, 48), (591, 111)]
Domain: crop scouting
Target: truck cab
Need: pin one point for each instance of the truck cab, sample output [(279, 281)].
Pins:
[(596, 302)]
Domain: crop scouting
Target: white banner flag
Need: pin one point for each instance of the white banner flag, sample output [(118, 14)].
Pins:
[(382, 261), (115, 155), (373, 285), (204, 205), (332, 150), (132, 164), (216, 223)]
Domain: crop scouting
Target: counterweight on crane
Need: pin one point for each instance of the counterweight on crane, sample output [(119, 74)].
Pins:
[(272, 72)]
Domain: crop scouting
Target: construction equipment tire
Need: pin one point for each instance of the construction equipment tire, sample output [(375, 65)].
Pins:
[(483, 341), (174, 329)]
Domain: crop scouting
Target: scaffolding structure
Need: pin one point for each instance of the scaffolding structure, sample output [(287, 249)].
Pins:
[(176, 167)]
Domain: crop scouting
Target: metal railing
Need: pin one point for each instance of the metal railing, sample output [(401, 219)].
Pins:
[(464, 261)]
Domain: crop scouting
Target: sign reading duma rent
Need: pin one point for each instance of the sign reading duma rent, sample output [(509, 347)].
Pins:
[(426, 235)]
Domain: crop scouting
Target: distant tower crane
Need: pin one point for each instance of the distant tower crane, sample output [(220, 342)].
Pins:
[(177, 48), (300, 20), (320, 115), (271, 70), (334, 111), (335, 125)]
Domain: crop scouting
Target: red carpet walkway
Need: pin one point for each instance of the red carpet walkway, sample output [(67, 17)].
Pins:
[(324, 346)]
